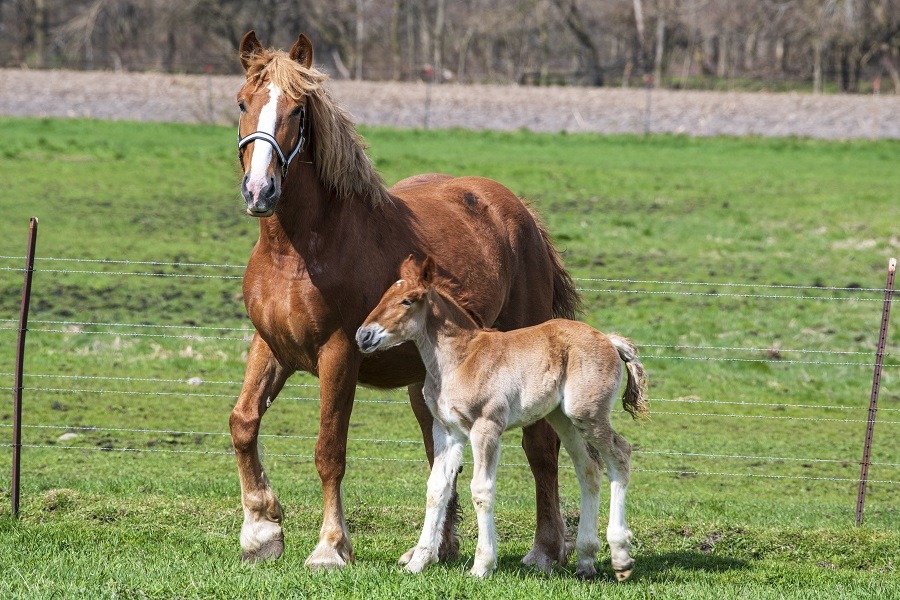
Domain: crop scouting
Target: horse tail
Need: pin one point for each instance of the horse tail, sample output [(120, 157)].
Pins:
[(566, 300), (634, 400)]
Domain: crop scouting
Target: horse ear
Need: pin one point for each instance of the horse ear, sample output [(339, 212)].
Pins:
[(250, 46), (302, 51), (409, 270), (427, 271)]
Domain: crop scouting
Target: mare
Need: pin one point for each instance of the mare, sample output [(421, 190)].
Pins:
[(331, 238), (482, 382)]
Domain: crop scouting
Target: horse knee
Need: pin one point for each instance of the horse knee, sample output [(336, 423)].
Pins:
[(244, 430)]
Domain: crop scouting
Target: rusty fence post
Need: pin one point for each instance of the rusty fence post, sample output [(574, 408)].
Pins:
[(20, 360), (876, 383)]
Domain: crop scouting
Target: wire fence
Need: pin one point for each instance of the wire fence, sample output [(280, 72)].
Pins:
[(90, 384)]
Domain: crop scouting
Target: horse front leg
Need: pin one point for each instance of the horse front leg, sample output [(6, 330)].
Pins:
[(541, 445), (261, 535), (339, 362), (449, 545)]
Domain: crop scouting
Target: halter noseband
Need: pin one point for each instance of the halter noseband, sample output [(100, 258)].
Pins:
[(270, 139)]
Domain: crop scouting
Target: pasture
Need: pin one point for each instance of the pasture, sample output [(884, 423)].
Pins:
[(745, 476)]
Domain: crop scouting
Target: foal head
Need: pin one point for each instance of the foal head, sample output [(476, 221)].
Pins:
[(273, 119), (401, 313)]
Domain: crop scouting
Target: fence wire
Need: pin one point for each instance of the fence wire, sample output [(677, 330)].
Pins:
[(586, 285)]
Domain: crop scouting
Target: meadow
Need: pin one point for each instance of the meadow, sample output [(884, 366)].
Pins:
[(747, 271)]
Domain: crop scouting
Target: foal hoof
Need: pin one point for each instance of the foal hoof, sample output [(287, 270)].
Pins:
[(624, 573), (269, 550)]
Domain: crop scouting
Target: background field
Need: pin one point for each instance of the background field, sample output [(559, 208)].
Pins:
[(773, 382)]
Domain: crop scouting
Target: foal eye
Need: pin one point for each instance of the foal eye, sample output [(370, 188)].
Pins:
[(406, 303)]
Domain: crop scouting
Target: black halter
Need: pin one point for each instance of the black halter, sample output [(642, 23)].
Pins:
[(270, 139)]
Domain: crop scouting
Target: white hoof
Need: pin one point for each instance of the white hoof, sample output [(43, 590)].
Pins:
[(327, 557)]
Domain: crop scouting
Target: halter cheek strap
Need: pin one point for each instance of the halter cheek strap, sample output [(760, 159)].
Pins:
[(270, 139)]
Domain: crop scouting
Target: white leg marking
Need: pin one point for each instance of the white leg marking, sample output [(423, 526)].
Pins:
[(262, 152), (486, 455), (448, 451)]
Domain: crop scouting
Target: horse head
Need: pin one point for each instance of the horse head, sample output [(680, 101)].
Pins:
[(273, 119), (400, 313)]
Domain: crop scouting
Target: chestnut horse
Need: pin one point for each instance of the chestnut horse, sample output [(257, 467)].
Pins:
[(332, 238)]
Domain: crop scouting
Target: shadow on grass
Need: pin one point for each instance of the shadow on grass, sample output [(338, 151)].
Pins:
[(648, 567)]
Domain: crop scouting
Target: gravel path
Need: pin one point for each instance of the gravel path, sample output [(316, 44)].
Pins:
[(192, 99)]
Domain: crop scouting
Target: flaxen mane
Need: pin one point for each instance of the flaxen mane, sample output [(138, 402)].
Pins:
[(340, 152)]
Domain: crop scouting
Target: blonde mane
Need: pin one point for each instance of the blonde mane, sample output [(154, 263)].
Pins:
[(340, 152)]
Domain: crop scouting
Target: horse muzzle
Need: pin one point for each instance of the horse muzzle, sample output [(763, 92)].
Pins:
[(369, 338), (261, 199)]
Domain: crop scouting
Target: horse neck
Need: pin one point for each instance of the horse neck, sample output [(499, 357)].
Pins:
[(307, 208), (447, 332)]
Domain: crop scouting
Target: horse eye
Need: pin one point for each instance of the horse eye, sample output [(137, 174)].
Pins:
[(242, 106), (406, 303), (297, 111)]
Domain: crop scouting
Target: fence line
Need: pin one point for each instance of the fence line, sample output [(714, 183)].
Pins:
[(193, 337), (251, 330), (127, 273), (711, 292), (680, 472), (315, 385), (386, 401), (92, 429), (589, 279), (728, 295), (404, 403)]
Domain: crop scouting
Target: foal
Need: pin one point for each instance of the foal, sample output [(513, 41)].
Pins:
[(482, 382)]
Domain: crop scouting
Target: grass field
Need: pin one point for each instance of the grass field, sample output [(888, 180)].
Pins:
[(744, 482)]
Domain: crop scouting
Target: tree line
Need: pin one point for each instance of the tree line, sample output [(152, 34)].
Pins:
[(819, 45)]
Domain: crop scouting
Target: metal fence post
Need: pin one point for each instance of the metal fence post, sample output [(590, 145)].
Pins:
[(20, 359), (876, 382)]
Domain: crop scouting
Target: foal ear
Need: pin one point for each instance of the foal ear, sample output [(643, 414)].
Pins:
[(427, 272), (250, 46), (302, 51), (409, 270)]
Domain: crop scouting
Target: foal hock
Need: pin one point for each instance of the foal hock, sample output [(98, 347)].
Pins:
[(482, 382)]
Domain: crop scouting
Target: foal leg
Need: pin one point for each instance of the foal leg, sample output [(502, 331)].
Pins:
[(261, 535), (589, 476), (448, 447), (449, 548), (616, 453), (541, 446), (485, 436), (338, 370)]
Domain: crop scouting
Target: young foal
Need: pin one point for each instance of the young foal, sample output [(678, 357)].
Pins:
[(482, 382)]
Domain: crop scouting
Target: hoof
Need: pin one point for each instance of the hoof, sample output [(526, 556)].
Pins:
[(270, 550), (586, 572), (326, 557), (407, 556), (540, 559), (625, 572), (482, 572)]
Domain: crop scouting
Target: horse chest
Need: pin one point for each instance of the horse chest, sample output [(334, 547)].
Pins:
[(290, 315)]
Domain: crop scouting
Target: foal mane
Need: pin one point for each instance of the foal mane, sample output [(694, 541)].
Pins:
[(340, 155)]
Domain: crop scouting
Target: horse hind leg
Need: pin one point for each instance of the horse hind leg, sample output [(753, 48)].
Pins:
[(589, 474), (261, 534), (541, 445), (589, 411)]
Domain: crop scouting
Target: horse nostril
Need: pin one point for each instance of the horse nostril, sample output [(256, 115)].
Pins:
[(364, 338)]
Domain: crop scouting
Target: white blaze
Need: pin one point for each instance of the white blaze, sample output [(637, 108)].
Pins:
[(262, 151)]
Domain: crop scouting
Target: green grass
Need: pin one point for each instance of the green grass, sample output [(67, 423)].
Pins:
[(100, 520)]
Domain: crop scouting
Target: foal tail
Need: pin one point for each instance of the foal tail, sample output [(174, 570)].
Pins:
[(634, 400)]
